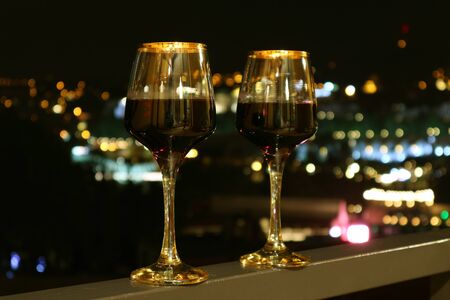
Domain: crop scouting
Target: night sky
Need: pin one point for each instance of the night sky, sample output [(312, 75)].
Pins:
[(83, 40)]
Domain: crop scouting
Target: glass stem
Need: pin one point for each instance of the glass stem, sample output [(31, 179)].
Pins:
[(169, 169), (275, 167)]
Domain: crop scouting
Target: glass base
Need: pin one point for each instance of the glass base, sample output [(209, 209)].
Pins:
[(274, 259), (158, 274)]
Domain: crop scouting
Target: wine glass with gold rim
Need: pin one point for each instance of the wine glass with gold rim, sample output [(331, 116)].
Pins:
[(276, 111), (169, 109)]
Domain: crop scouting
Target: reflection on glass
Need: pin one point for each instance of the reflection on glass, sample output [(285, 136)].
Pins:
[(169, 109), (276, 111)]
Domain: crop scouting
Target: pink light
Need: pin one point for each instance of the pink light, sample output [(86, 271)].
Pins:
[(358, 234)]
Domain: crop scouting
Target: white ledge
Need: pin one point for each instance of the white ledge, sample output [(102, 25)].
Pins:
[(335, 271)]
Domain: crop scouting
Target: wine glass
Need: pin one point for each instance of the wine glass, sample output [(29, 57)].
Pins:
[(276, 111), (169, 109)]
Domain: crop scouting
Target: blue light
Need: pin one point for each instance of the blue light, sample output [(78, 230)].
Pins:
[(328, 86), (119, 110), (41, 265), (80, 151), (10, 275), (322, 93), (385, 158), (438, 151), (14, 261), (447, 151)]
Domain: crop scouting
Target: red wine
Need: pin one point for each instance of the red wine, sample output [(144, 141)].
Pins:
[(276, 125), (170, 125)]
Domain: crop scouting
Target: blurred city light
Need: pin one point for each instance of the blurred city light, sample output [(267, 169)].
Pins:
[(350, 90), (41, 264), (335, 231), (193, 153), (358, 233), (14, 261)]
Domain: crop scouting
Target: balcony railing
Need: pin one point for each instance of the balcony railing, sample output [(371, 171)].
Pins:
[(335, 271)]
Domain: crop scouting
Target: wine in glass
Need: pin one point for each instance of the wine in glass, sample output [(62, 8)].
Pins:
[(276, 111), (169, 109)]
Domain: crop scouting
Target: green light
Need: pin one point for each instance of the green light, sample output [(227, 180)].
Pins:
[(444, 215)]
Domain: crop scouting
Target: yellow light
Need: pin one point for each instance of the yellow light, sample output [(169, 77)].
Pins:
[(217, 79), (370, 134), (85, 134), (193, 153), (441, 85), (31, 82), (256, 166), (77, 111), (44, 104), (321, 115), (429, 203), (410, 203), (398, 203), (57, 109), (237, 77), (350, 90), (388, 203), (357, 208), (33, 92), (60, 85), (401, 44), (81, 84), (398, 148), (384, 149), (368, 149), (386, 219), (354, 167), (349, 174), (399, 132), (418, 172), (354, 134), (112, 147), (63, 134), (105, 96), (330, 115), (350, 208), (384, 133), (403, 221), (323, 151), (229, 81), (81, 126), (8, 103), (437, 131), (104, 146), (338, 172), (422, 85), (435, 221), (310, 168), (359, 117), (430, 131), (339, 135), (370, 87), (394, 220), (415, 221)]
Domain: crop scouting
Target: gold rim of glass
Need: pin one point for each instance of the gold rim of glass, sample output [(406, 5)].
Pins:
[(172, 46), (272, 54)]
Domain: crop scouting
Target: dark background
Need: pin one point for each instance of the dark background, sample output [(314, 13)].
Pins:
[(89, 230), (96, 40)]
